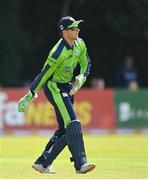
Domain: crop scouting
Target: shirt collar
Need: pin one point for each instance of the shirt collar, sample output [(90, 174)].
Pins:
[(66, 44)]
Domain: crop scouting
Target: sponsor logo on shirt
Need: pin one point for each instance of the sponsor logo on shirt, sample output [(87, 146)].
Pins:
[(68, 69)]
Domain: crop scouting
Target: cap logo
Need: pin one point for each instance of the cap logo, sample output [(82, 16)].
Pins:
[(61, 27)]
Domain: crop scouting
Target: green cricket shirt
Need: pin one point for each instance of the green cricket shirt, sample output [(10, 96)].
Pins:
[(61, 62)]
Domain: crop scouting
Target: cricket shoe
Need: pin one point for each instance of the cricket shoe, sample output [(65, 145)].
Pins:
[(87, 167), (41, 169)]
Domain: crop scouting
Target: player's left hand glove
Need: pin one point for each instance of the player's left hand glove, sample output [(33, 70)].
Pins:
[(80, 79), (23, 102)]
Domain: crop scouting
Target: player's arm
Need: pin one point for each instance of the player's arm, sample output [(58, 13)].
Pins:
[(48, 69), (85, 64)]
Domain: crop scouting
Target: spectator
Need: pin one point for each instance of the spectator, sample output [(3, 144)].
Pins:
[(127, 73), (97, 83), (133, 86)]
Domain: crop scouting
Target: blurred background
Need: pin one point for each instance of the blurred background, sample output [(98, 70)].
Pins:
[(112, 31), (116, 34)]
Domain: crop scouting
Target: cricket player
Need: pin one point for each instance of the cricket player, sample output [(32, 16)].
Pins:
[(55, 78)]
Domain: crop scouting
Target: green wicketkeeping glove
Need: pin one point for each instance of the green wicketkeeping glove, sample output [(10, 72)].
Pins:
[(80, 79), (23, 102)]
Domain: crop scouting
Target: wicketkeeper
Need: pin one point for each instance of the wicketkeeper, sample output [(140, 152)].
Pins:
[(55, 78)]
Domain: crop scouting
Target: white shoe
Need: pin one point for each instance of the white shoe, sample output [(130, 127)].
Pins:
[(86, 168), (41, 169)]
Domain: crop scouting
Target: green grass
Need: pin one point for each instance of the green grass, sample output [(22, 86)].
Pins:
[(115, 156)]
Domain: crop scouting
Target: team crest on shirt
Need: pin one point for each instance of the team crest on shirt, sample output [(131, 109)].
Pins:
[(77, 52)]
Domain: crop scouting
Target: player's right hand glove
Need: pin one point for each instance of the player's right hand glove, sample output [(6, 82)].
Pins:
[(80, 79), (23, 102)]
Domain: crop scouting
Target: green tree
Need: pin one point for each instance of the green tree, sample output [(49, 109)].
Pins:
[(10, 38), (128, 18)]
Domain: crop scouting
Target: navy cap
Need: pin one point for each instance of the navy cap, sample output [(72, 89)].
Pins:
[(68, 23)]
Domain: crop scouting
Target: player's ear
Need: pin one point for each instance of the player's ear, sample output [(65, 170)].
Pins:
[(64, 32)]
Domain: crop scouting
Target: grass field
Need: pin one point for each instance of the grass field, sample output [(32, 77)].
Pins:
[(115, 156)]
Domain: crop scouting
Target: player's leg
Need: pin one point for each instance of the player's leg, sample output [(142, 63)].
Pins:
[(75, 143), (73, 129), (56, 144), (58, 141), (53, 148), (50, 150), (76, 146), (56, 149)]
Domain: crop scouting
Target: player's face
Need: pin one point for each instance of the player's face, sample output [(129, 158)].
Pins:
[(73, 33)]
